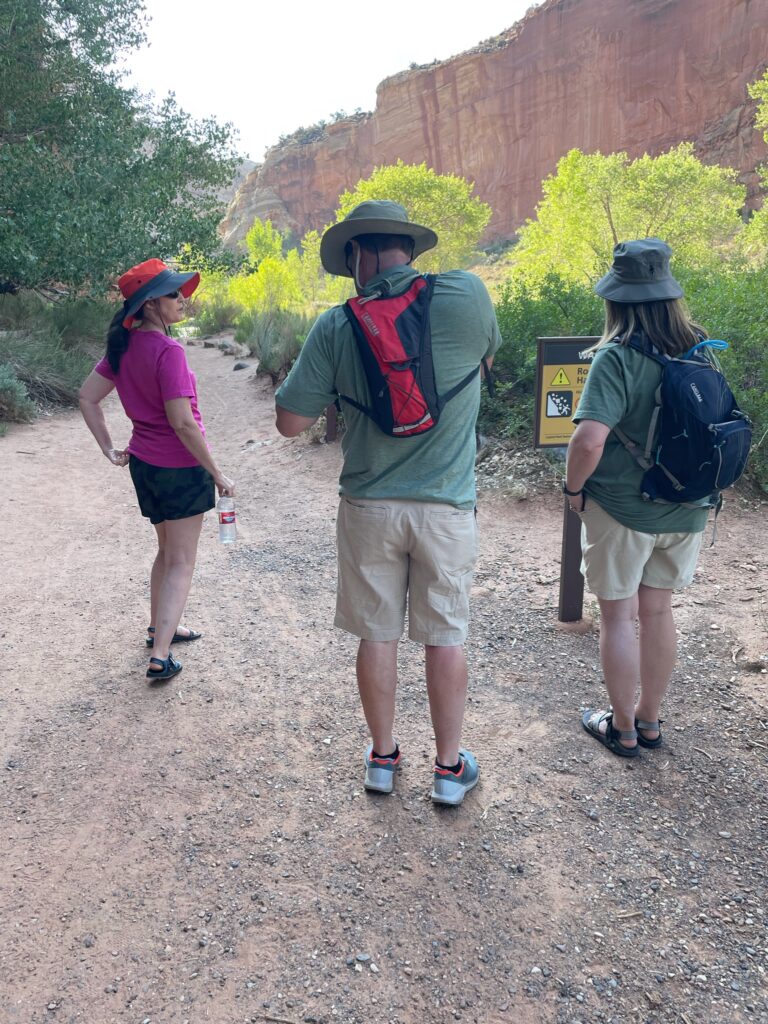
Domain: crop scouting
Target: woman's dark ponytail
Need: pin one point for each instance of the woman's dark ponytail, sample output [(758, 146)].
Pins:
[(117, 340)]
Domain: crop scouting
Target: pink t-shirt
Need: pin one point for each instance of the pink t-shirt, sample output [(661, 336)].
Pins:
[(153, 371)]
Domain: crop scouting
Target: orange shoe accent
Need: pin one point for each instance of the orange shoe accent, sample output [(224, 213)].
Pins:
[(385, 760)]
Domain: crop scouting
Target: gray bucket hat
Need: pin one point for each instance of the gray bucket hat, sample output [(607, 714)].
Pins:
[(640, 273), (373, 217)]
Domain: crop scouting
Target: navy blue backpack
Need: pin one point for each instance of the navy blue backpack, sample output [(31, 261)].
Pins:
[(698, 439)]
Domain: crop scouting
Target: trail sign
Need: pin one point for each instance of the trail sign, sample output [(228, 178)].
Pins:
[(561, 370)]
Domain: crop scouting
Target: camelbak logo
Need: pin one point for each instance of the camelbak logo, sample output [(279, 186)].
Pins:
[(696, 392), (367, 320)]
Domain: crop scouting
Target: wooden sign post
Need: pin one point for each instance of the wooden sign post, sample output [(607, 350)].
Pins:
[(562, 365)]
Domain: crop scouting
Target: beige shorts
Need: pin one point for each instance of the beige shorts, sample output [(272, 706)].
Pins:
[(616, 560), (397, 553)]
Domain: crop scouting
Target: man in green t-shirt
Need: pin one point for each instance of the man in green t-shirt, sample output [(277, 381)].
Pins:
[(406, 528)]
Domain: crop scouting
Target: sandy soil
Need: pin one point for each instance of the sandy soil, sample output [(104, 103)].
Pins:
[(205, 852)]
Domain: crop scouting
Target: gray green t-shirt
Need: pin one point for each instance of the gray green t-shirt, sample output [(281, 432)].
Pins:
[(435, 466), (620, 392)]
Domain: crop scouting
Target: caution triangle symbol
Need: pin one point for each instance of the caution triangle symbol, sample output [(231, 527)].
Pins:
[(561, 379)]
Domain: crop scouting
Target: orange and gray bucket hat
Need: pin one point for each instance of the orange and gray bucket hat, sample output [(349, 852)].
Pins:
[(151, 280)]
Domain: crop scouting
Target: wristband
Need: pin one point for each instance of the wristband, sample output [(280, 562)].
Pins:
[(572, 494)]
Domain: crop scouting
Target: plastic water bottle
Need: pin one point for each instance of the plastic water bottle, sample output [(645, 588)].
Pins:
[(227, 523)]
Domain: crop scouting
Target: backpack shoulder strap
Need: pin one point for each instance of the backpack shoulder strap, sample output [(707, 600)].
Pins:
[(643, 455), (490, 381), (465, 381), (647, 350)]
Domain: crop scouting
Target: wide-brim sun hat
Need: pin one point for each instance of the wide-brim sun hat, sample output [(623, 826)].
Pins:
[(373, 217), (640, 273), (151, 280)]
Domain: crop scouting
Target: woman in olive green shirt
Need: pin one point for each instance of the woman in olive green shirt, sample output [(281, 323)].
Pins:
[(635, 552)]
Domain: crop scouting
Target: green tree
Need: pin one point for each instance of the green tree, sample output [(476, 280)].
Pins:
[(275, 286), (594, 201), (320, 289), (262, 241), (759, 91), (443, 202), (757, 229), (93, 178), (311, 269)]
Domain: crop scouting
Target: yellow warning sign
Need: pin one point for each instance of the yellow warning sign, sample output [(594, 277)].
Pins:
[(565, 362)]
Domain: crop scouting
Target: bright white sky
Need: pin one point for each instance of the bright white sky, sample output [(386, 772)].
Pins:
[(270, 67)]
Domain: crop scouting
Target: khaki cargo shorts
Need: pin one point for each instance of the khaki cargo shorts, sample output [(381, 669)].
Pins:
[(616, 560), (397, 553)]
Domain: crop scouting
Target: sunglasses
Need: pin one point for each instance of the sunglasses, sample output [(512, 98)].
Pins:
[(172, 295)]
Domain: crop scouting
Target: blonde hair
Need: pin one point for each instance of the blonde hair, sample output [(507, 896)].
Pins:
[(665, 322)]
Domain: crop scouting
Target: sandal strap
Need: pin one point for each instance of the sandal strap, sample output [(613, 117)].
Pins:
[(651, 726), (165, 662), (620, 734), (623, 734)]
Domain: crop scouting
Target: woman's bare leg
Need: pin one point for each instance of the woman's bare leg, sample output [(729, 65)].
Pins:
[(157, 574), (658, 652), (179, 553), (620, 659)]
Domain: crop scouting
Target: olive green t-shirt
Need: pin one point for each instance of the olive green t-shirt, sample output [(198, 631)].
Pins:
[(620, 392), (437, 465)]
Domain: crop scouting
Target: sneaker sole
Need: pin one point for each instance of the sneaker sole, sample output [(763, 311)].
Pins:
[(373, 787), (453, 801), (378, 780)]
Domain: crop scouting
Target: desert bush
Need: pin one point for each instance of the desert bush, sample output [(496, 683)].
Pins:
[(50, 372), (15, 404), (22, 309), (82, 322), (47, 349), (275, 339)]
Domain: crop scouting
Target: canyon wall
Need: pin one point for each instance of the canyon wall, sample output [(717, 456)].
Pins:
[(600, 75)]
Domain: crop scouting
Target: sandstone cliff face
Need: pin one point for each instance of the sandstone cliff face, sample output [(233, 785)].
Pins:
[(600, 75)]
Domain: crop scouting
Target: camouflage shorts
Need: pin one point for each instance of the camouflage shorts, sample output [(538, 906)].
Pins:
[(165, 493)]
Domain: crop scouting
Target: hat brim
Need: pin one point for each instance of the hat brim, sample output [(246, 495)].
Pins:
[(166, 282), (612, 288), (335, 239)]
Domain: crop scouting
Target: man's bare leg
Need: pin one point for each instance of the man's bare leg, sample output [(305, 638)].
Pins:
[(377, 683), (447, 689)]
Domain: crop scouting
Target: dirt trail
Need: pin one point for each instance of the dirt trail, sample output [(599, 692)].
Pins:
[(204, 852)]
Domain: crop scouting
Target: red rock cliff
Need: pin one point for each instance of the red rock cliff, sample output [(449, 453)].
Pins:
[(600, 75)]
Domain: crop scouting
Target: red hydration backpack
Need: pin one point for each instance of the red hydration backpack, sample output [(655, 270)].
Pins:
[(395, 345)]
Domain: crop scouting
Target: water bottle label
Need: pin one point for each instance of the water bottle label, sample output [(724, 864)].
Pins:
[(227, 517)]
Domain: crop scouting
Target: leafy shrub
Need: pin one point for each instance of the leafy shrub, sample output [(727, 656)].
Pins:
[(731, 304), (555, 308), (15, 405)]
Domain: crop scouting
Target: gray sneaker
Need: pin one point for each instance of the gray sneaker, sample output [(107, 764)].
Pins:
[(448, 788), (380, 771)]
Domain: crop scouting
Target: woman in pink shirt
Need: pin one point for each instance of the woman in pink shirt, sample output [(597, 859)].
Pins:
[(171, 466)]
